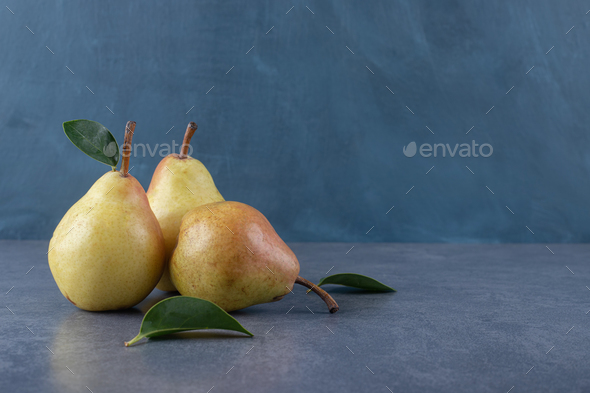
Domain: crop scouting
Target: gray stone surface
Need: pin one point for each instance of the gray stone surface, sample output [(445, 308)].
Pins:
[(465, 318)]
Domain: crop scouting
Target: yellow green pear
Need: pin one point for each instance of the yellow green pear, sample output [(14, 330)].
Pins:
[(228, 253), (179, 184), (107, 253)]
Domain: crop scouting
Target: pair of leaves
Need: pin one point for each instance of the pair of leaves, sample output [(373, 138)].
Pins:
[(93, 139), (182, 313)]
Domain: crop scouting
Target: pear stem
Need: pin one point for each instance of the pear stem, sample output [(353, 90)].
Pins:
[(330, 302), (126, 148), (186, 142)]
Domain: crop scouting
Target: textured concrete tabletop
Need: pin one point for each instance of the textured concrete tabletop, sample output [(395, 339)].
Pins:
[(466, 318)]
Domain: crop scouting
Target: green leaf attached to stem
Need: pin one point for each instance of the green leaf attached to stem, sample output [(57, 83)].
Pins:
[(93, 139), (181, 313), (356, 281)]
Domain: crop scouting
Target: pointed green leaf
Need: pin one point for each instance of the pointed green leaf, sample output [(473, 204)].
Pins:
[(93, 139), (356, 281), (181, 313)]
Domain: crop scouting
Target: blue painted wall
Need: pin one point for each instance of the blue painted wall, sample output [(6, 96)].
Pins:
[(305, 127)]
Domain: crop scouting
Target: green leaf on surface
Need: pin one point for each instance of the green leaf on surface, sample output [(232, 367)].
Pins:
[(93, 139), (356, 281), (182, 313)]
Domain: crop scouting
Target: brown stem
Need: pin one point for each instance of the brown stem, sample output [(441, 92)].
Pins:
[(186, 142), (126, 149), (330, 302)]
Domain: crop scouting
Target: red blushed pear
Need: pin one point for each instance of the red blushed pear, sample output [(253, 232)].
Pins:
[(107, 253), (229, 254), (179, 184)]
